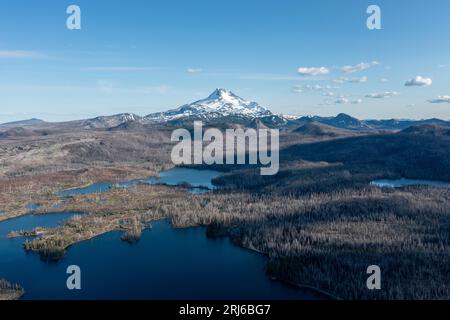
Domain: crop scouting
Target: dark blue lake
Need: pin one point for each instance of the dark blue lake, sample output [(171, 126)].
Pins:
[(166, 263)]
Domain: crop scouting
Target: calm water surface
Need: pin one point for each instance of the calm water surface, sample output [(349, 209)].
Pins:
[(408, 182), (200, 180), (166, 263)]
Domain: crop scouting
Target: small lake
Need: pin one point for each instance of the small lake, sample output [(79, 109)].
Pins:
[(31, 221), (199, 180), (408, 182), (33, 206)]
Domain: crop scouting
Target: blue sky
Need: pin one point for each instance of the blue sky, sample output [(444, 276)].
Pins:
[(145, 56)]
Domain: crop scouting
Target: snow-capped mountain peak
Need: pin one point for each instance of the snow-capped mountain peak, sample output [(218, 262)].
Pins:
[(220, 103), (223, 95)]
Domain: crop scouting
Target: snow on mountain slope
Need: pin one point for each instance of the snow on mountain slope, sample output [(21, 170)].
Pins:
[(220, 103), (110, 121)]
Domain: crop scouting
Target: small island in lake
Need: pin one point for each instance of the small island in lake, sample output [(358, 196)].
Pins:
[(9, 291)]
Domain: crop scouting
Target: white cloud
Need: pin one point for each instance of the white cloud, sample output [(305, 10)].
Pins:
[(339, 81), (419, 82), (342, 80), (341, 100), (313, 71), (308, 87), (443, 66), (440, 99), (318, 88), (382, 95), (357, 101), (384, 80), (359, 80), (358, 67), (20, 54), (193, 70)]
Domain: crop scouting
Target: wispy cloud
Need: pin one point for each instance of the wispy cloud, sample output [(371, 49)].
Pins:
[(341, 100), (357, 101), (342, 80), (346, 100), (21, 54), (355, 68), (193, 70), (311, 87), (382, 95), (307, 87), (313, 71), (419, 82), (359, 67), (440, 99)]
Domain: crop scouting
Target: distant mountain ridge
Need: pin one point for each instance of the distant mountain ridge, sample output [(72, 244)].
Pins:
[(220, 108), (428, 129), (25, 122), (347, 122), (105, 122), (22, 123), (317, 129)]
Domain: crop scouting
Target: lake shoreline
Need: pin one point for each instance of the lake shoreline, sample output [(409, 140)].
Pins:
[(185, 210), (316, 291), (9, 291)]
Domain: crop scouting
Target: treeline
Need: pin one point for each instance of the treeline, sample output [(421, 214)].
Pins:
[(327, 240), (10, 291)]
